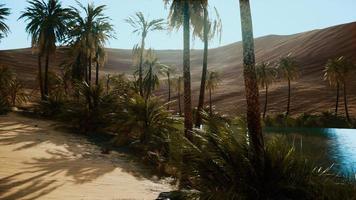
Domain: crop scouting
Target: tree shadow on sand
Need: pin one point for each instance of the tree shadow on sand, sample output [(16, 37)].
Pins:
[(75, 161)]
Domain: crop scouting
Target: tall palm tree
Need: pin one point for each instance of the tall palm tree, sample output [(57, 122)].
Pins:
[(182, 13), (211, 27), (4, 28), (47, 25), (143, 26), (89, 34), (288, 67), (332, 75), (103, 31), (337, 72), (266, 75), (251, 86), (211, 84)]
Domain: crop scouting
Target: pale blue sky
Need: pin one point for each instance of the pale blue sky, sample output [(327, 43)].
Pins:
[(269, 17)]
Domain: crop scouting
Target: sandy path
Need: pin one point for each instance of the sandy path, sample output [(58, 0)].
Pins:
[(37, 161)]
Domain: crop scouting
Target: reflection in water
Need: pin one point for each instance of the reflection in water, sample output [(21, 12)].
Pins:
[(326, 147)]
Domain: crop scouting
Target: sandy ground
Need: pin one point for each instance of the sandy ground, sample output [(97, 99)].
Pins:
[(39, 161)]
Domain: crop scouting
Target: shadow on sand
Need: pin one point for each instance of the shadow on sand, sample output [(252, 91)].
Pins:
[(77, 160)]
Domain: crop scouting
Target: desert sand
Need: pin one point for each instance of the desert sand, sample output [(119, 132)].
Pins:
[(41, 161)]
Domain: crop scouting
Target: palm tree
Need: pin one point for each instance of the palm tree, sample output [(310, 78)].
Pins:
[(153, 70), (103, 31), (89, 34), (288, 67), (4, 28), (211, 28), (181, 14), (331, 74), (142, 26), (251, 86), (266, 75), (211, 84), (169, 71), (178, 85), (47, 25), (336, 72)]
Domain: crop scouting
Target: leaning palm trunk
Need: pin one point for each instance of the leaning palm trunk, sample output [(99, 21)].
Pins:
[(188, 116), (266, 102), (337, 98), (288, 104), (40, 81), (204, 71), (251, 87), (345, 103)]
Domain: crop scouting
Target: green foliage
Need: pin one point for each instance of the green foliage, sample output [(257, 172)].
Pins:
[(147, 122), (47, 24), (4, 28), (11, 90), (288, 68), (218, 165), (323, 120)]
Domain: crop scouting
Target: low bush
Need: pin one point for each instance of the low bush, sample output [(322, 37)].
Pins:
[(218, 165), (323, 120)]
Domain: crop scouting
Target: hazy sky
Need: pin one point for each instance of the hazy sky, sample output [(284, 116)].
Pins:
[(269, 17)]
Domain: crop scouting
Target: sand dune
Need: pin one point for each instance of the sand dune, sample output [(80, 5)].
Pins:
[(39, 161), (309, 93)]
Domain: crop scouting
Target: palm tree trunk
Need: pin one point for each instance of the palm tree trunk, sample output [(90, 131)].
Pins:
[(46, 92), (204, 71), (337, 98), (97, 68), (210, 103), (251, 87), (39, 58), (89, 70), (345, 103), (97, 73), (288, 104), (266, 102), (188, 116), (140, 69), (108, 84), (179, 103), (169, 90)]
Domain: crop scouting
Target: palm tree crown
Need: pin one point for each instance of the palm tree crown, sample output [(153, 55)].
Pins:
[(4, 28), (288, 68), (47, 23), (89, 34), (143, 26)]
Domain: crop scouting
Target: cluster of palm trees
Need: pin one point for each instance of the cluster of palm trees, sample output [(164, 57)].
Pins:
[(86, 30), (267, 73), (336, 72), (50, 24)]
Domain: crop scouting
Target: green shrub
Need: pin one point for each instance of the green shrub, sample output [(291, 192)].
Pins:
[(217, 164), (323, 120)]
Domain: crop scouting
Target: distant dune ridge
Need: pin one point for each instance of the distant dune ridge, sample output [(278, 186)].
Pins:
[(309, 93)]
